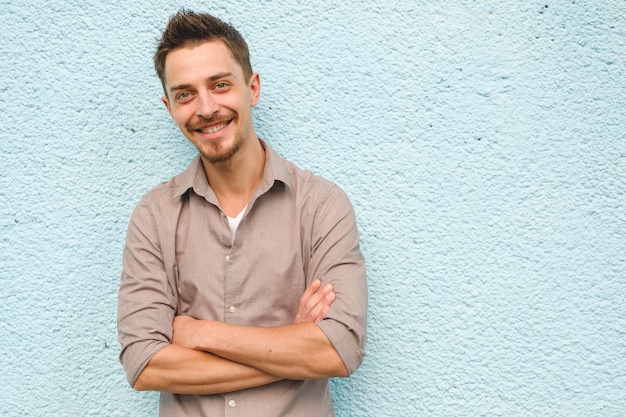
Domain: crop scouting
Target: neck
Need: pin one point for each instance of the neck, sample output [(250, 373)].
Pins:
[(234, 181)]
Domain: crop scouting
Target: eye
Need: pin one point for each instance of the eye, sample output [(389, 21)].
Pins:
[(221, 85), (183, 96)]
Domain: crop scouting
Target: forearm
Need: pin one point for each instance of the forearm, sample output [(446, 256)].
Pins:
[(297, 351), (185, 371)]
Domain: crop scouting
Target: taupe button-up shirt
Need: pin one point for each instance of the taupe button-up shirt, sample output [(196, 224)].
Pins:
[(179, 259)]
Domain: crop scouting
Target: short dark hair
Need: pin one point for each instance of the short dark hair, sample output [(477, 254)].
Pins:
[(189, 28)]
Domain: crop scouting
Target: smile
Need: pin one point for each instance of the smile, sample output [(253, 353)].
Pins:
[(215, 128)]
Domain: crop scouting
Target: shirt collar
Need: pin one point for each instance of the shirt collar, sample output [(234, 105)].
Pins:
[(194, 176)]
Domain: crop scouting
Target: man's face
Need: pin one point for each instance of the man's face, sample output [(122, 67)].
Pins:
[(209, 99)]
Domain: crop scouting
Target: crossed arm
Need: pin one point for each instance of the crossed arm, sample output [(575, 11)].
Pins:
[(210, 357)]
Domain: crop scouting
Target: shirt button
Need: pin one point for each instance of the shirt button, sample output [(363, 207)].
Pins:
[(232, 403), (232, 309), (227, 258)]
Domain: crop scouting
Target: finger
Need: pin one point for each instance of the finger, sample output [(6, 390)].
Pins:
[(311, 289), (304, 299), (317, 297), (309, 299), (319, 305), (323, 314), (330, 298)]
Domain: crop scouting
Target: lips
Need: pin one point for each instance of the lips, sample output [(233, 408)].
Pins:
[(209, 126), (214, 128)]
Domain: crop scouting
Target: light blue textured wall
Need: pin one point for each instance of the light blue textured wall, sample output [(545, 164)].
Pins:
[(483, 144)]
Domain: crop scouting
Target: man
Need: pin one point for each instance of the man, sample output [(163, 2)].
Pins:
[(243, 287)]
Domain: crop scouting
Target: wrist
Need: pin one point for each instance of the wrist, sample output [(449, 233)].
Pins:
[(205, 335)]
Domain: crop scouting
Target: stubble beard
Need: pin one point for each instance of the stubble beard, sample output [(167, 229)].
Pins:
[(225, 154), (219, 155)]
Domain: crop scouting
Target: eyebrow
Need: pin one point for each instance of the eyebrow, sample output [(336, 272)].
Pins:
[(212, 78)]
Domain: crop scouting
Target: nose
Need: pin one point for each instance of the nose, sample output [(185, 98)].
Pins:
[(207, 106)]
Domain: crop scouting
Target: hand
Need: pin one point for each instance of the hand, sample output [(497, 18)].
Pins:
[(315, 303)]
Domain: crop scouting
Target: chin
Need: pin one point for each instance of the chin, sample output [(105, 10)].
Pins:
[(222, 155)]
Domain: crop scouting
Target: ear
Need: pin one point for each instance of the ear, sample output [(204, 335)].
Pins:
[(255, 89), (167, 104)]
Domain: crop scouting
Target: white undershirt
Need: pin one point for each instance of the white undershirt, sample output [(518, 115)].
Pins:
[(233, 222)]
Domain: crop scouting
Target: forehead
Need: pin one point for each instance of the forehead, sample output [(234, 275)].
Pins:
[(200, 61)]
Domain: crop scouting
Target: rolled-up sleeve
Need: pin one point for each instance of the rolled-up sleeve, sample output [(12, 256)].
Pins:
[(336, 258), (146, 301)]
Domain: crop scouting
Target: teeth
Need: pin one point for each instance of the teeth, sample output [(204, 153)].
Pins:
[(214, 129)]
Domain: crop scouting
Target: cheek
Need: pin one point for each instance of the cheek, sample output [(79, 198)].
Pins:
[(234, 102), (180, 117)]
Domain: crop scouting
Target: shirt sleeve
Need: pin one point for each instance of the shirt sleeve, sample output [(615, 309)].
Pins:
[(336, 258), (146, 301)]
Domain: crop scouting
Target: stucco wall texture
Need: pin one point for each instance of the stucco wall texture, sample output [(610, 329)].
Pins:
[(483, 144)]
